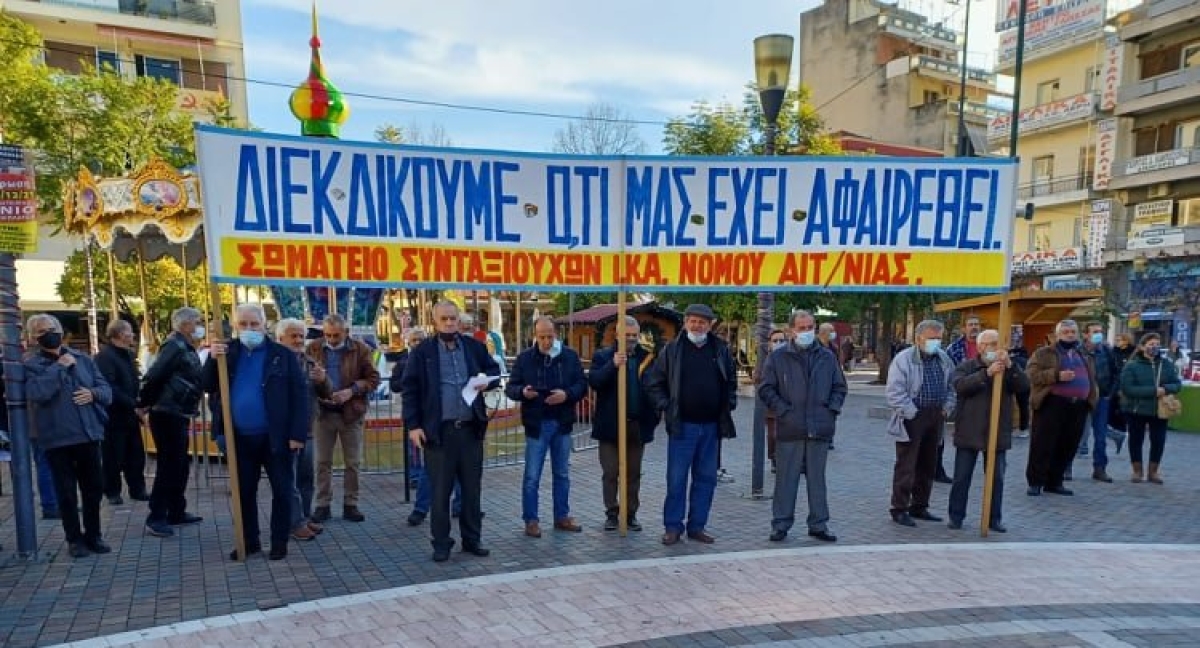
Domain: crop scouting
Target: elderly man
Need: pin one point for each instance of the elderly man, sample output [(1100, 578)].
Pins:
[(972, 381), (68, 395), (921, 397), (547, 379), (640, 420), (123, 451), (171, 390), (827, 338), (803, 385), (341, 417), (1063, 391), (269, 406), (291, 333), (694, 383), (447, 427)]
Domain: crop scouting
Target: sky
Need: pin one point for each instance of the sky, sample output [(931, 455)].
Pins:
[(650, 59)]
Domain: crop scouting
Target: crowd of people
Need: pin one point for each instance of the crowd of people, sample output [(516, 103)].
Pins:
[(294, 397)]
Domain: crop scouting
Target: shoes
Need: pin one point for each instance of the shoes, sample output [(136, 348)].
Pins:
[(416, 518), (611, 523), (51, 514), (998, 527), (250, 551), (777, 535), (98, 546), (278, 553), (724, 477), (903, 519), (315, 528), (79, 550), (321, 514), (925, 515), (476, 550), (352, 514), (441, 554), (633, 524), (185, 519), (1059, 490), (1033, 491), (1100, 475), (568, 524), (954, 524), (831, 448), (140, 496), (670, 537), (115, 500), (701, 536), (159, 529), (533, 529), (1153, 475), (303, 534), (823, 536)]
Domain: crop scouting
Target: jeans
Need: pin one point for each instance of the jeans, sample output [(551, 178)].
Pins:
[(78, 467), (558, 446), (167, 497), (690, 451), (1099, 422), (1138, 425), (45, 480), (964, 469), (254, 453), (302, 490)]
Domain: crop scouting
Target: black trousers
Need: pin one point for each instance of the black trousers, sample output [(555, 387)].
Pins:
[(458, 457), (78, 479), (167, 499), (916, 461), (1057, 428), (124, 454), (254, 454)]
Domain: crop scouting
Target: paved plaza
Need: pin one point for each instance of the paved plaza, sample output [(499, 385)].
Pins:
[(1116, 565)]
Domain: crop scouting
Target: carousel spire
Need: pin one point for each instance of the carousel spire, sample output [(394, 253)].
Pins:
[(316, 102)]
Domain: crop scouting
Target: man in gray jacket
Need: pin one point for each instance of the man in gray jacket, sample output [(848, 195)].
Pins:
[(68, 395), (921, 397), (803, 385)]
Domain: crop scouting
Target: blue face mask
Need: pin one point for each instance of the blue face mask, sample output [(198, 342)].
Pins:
[(555, 349), (251, 339), (932, 346), (805, 338), (1097, 338), (832, 336), (778, 345)]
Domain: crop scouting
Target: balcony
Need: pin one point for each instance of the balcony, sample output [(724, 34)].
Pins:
[(194, 12), (950, 70), (1166, 166), (918, 30), (1160, 17), (1056, 191), (1043, 261), (1046, 117), (1163, 91), (974, 111)]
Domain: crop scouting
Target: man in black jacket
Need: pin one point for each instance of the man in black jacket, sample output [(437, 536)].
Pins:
[(171, 390), (123, 450), (447, 428), (694, 383), (641, 419)]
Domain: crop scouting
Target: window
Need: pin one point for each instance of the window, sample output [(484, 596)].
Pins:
[(156, 68), (1189, 212), (105, 60), (1089, 78), (1079, 232), (1187, 134), (1039, 237), (68, 57), (1047, 92), (1043, 168), (1190, 56), (931, 97), (1087, 162)]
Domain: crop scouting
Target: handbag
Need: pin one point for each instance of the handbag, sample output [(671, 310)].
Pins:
[(1169, 406)]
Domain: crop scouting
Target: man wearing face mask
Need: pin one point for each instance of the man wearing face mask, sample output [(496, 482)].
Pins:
[(1063, 391), (641, 419), (922, 399), (1108, 381), (694, 383), (547, 379), (805, 387), (827, 337), (122, 449), (778, 340), (290, 333), (68, 395), (269, 406), (341, 417), (171, 391)]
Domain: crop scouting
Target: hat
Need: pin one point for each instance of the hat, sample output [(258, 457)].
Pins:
[(314, 333), (700, 310)]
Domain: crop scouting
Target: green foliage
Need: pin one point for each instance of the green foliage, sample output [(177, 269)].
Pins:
[(563, 301)]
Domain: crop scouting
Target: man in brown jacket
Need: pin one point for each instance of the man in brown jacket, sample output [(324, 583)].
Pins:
[(1064, 390), (352, 377)]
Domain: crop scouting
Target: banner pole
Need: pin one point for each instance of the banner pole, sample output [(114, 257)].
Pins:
[(239, 540), (622, 413), (989, 469)]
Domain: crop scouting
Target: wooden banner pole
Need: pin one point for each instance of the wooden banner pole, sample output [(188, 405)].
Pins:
[(989, 472), (622, 412), (214, 335)]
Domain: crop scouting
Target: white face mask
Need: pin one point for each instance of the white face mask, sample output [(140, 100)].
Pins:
[(555, 349), (805, 338), (198, 333), (832, 336), (989, 356), (697, 338)]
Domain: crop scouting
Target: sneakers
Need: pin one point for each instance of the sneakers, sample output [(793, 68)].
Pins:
[(321, 514), (352, 514), (723, 476), (159, 529)]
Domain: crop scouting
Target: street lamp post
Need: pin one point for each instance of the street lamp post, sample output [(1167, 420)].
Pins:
[(963, 149), (772, 66)]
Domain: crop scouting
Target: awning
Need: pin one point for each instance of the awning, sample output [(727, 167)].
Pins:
[(1027, 306), (1055, 313)]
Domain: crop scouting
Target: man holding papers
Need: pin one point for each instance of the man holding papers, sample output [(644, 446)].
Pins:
[(450, 429)]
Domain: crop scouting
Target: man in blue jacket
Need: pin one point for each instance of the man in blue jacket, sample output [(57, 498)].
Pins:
[(641, 419), (449, 429), (547, 379), (1108, 382), (804, 386), (270, 409)]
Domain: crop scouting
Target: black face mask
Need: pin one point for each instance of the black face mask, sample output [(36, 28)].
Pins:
[(448, 337), (50, 340)]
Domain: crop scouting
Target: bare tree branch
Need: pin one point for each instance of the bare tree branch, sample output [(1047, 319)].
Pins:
[(603, 130)]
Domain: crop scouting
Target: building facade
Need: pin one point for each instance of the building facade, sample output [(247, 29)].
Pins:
[(888, 74)]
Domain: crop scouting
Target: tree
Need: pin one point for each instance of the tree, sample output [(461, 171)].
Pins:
[(433, 134), (603, 130), (708, 130)]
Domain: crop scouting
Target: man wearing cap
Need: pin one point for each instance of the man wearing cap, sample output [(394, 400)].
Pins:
[(694, 384)]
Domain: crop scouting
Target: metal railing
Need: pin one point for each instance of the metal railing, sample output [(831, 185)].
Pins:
[(198, 12), (1162, 83), (1161, 161), (1052, 186)]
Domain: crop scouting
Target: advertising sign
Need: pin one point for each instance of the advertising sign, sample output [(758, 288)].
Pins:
[(1098, 224), (18, 202), (1042, 261), (1050, 26), (1110, 73), (290, 210), (1044, 116), (1106, 151)]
